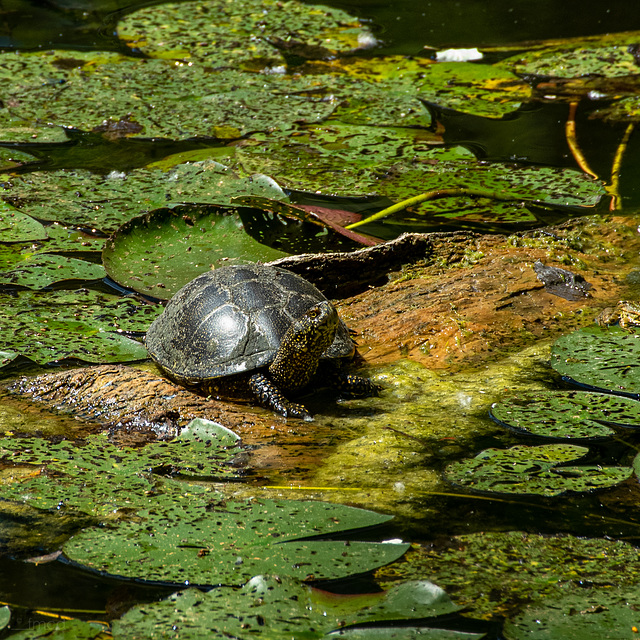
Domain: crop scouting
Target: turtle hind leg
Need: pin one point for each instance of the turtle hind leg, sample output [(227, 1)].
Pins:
[(270, 396), (354, 385)]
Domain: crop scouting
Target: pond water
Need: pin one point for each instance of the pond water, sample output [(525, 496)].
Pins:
[(380, 450)]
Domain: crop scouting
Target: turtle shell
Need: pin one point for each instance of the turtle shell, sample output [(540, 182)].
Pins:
[(231, 320)]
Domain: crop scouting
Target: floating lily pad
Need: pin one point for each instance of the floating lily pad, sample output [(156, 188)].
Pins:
[(269, 607), (16, 226), (533, 470), (5, 616), (83, 324), (188, 455), (221, 33), (491, 573), (233, 541), (567, 414), (482, 90), (42, 271), (64, 630), (88, 200), (158, 253), (565, 61), (595, 614), (348, 160), (602, 358)]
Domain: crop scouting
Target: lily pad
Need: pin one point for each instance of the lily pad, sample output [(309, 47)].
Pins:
[(82, 324), (42, 271), (567, 414), (230, 542), (493, 573), (600, 358), (595, 614), (223, 34), (158, 253), (269, 607), (5, 616), (84, 199), (64, 630), (565, 61), (188, 455), (16, 226), (533, 470)]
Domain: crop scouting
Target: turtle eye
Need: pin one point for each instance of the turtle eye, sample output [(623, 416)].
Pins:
[(314, 312)]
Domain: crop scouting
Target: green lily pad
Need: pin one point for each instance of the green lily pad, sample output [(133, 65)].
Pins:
[(64, 630), (269, 607), (16, 226), (595, 614), (601, 358), (42, 271), (188, 455), (158, 253), (223, 34), (83, 324), (533, 470), (565, 61), (347, 160), (5, 616), (567, 414), (494, 572), (482, 90), (84, 199), (233, 541)]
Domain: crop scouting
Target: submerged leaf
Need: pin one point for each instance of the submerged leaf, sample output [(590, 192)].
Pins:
[(533, 470)]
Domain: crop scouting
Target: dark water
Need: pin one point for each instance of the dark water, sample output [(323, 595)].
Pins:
[(534, 134)]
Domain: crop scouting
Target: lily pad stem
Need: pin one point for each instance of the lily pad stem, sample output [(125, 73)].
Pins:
[(433, 195)]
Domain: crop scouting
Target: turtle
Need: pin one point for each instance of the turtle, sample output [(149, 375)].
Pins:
[(253, 331)]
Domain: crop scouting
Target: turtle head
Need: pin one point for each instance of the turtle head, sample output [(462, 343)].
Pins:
[(305, 341)]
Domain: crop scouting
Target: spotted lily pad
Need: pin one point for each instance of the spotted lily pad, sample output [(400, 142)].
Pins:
[(160, 252), (41, 271), (88, 200), (595, 614), (223, 34), (539, 470), (16, 226), (83, 324), (230, 542), (493, 571), (63, 630), (270, 607), (601, 358), (567, 414)]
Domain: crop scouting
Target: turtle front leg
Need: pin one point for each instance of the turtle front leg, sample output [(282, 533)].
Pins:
[(270, 396)]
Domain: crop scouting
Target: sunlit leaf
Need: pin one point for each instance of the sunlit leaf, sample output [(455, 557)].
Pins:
[(42, 271), (602, 358), (533, 470), (567, 414), (83, 324), (16, 226), (268, 607), (492, 571), (64, 630), (233, 541), (221, 33), (595, 614), (105, 202)]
